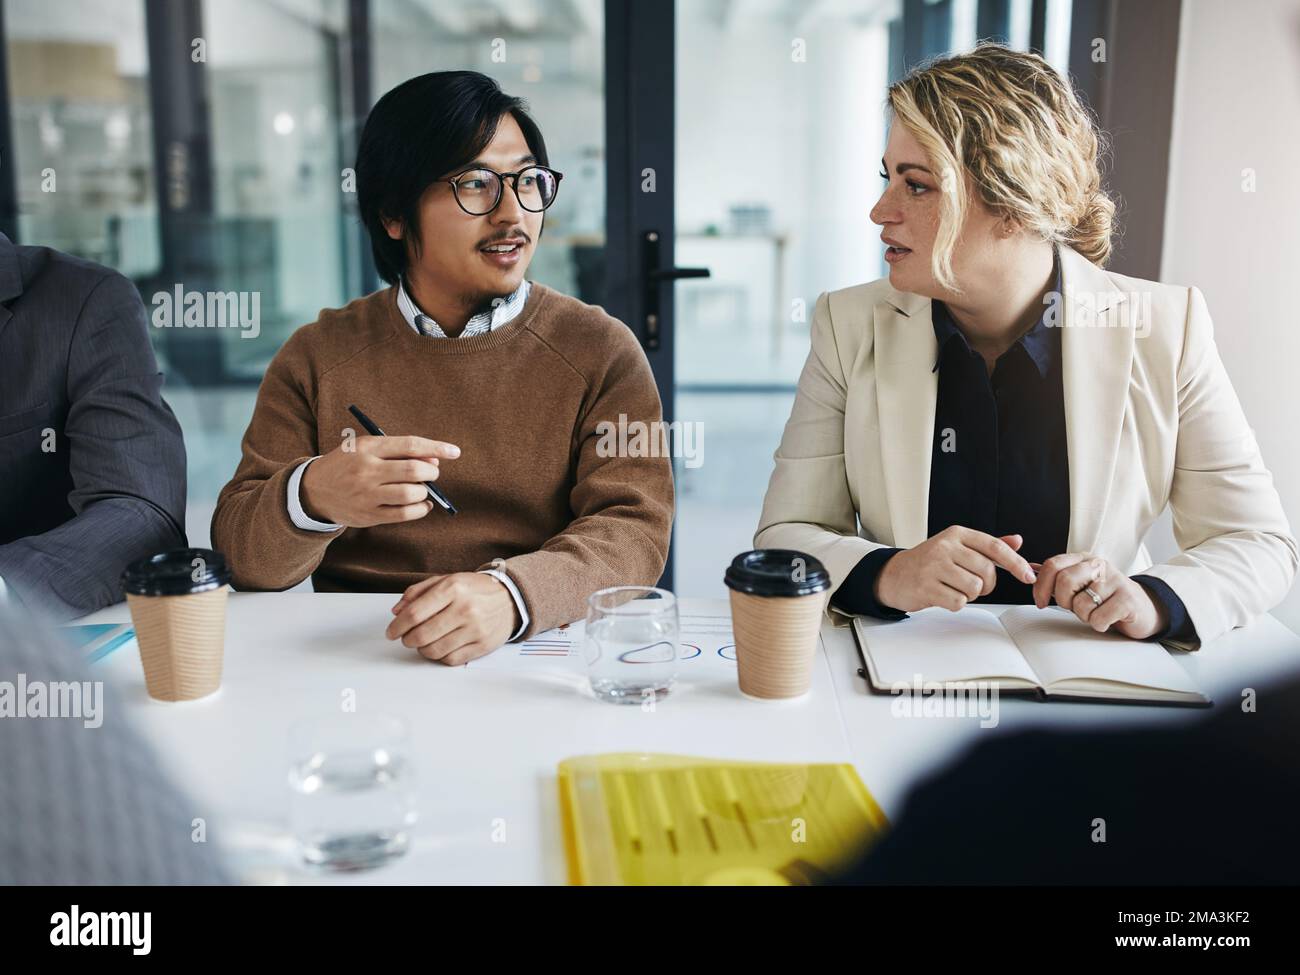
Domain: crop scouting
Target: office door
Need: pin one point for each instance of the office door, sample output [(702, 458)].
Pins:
[(741, 141), (745, 138)]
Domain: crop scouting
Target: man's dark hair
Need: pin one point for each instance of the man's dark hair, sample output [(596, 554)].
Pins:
[(423, 130)]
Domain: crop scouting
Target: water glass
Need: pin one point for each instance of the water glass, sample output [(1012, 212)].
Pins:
[(630, 643), (352, 788)]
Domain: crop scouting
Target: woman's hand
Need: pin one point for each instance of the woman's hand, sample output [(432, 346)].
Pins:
[(949, 570), (1124, 604)]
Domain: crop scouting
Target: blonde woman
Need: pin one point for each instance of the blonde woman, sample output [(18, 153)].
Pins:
[(1002, 420)]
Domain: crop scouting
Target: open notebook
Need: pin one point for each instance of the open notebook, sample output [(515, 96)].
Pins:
[(1028, 650)]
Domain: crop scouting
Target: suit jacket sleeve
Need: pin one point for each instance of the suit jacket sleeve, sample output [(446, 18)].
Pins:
[(1237, 555), (126, 460), (808, 506)]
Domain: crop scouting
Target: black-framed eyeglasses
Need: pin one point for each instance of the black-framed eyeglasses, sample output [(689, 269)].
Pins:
[(478, 191)]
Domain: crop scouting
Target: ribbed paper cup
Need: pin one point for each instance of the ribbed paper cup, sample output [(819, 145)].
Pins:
[(776, 641), (181, 634), (182, 642), (777, 600)]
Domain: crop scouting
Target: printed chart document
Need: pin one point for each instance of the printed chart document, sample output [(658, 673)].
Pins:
[(706, 641), (1045, 651)]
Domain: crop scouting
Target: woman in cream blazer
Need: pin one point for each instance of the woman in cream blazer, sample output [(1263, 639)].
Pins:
[(993, 191)]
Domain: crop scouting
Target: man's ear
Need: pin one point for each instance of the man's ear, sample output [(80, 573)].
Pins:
[(394, 229)]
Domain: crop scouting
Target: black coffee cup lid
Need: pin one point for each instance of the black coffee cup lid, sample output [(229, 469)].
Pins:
[(176, 573), (776, 572)]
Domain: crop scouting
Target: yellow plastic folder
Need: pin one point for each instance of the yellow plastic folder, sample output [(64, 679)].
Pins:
[(637, 819)]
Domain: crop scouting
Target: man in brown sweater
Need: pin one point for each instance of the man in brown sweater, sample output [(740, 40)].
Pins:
[(520, 385)]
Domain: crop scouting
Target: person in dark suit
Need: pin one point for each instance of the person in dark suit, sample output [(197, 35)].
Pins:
[(93, 460), (88, 802), (1208, 802)]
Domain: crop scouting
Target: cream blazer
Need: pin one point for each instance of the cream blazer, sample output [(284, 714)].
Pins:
[(1151, 420)]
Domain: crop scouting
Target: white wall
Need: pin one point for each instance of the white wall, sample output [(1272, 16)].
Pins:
[(803, 137), (1237, 108)]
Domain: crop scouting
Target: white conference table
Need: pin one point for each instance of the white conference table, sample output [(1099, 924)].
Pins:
[(485, 742)]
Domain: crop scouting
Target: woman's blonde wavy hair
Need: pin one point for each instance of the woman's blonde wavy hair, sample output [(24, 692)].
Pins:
[(1016, 126)]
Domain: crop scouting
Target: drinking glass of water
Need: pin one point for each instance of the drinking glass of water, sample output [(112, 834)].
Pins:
[(353, 789), (630, 643)]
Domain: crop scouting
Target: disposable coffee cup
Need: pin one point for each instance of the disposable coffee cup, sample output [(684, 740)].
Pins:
[(777, 600), (178, 607)]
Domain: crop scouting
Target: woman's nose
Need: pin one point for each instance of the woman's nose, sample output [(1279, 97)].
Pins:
[(883, 212)]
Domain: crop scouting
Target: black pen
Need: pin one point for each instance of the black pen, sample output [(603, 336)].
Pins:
[(373, 429)]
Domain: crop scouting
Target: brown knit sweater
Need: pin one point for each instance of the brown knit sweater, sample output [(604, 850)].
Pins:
[(522, 402)]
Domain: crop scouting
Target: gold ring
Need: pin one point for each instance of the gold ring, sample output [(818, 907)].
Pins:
[(1096, 600)]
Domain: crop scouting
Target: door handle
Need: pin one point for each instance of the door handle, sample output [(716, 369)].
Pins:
[(652, 276)]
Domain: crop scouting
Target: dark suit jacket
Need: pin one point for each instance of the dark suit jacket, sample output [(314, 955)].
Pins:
[(87, 805), (92, 460), (1210, 801)]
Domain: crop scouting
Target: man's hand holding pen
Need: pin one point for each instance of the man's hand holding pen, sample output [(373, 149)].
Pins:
[(374, 480)]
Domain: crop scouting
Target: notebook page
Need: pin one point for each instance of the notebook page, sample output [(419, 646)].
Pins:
[(1060, 646), (943, 646)]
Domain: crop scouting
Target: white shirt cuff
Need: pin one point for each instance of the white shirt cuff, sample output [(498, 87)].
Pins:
[(302, 520), (297, 515), (506, 581)]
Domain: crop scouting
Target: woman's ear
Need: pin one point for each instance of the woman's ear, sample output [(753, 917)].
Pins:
[(394, 228)]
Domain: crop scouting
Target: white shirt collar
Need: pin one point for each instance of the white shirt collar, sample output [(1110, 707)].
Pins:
[(503, 311)]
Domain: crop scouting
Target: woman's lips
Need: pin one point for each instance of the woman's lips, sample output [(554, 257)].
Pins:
[(895, 254)]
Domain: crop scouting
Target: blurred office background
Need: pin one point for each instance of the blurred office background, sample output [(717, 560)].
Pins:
[(206, 143)]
